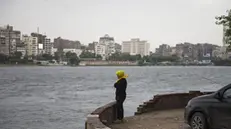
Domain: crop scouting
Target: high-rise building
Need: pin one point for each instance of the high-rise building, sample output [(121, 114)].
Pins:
[(48, 46), (9, 38), (91, 47), (135, 47), (41, 40), (31, 45), (163, 50), (61, 44), (105, 47)]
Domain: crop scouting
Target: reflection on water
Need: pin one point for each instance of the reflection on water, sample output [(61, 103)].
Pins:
[(61, 97)]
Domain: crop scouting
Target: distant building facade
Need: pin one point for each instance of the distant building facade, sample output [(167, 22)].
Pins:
[(48, 46), (9, 38), (65, 43), (41, 40), (163, 50), (91, 47), (53, 51), (76, 51), (31, 45), (105, 47), (136, 46), (60, 44), (191, 52)]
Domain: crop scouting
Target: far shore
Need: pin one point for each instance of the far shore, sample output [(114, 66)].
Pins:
[(34, 65)]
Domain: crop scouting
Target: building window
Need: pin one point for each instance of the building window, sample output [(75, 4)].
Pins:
[(2, 40)]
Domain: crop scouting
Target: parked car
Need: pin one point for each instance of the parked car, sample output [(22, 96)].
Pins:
[(212, 111)]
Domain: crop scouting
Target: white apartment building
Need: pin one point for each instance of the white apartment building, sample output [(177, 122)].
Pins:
[(173, 51), (100, 49), (48, 46), (53, 50), (77, 51), (41, 49), (31, 45), (136, 46), (105, 47)]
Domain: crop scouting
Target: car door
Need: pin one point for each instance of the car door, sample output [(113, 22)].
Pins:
[(226, 109), (220, 111)]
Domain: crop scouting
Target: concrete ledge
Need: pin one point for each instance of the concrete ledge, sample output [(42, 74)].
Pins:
[(101, 117), (104, 116), (168, 101)]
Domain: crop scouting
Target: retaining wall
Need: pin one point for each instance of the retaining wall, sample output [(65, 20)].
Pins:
[(101, 117), (105, 115), (168, 101)]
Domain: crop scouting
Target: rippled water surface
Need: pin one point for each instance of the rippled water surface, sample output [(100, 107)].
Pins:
[(61, 97)]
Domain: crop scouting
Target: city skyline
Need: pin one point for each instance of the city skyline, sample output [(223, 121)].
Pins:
[(156, 21)]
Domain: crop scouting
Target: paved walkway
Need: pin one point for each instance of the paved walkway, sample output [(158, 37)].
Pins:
[(170, 119)]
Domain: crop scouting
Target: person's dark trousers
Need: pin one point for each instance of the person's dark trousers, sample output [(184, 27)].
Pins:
[(119, 107)]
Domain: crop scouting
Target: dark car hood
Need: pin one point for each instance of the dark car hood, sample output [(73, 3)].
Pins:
[(204, 98)]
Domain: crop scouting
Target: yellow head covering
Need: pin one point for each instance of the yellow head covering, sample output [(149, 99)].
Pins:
[(120, 74)]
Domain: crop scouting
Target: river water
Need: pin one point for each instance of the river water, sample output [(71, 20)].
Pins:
[(61, 97)]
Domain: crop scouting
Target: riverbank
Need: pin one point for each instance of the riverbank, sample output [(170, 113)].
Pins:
[(33, 65), (16, 65)]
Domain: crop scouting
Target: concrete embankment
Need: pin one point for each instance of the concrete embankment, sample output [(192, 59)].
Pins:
[(163, 105)]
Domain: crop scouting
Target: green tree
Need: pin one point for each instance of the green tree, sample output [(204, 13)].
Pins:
[(47, 57), (225, 20), (141, 62), (17, 55), (68, 54), (3, 58), (56, 56), (74, 61), (87, 54), (99, 57), (72, 58), (138, 57)]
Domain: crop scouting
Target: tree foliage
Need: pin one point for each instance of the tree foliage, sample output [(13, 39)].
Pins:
[(17, 55), (98, 57), (225, 20), (72, 58), (124, 57), (3, 58), (87, 54), (56, 56), (141, 60), (47, 57)]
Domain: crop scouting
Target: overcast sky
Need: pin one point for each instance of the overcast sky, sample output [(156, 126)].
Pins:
[(158, 21)]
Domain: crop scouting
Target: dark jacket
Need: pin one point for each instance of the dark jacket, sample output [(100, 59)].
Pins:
[(121, 86)]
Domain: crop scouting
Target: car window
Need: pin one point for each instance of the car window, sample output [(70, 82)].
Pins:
[(227, 94)]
